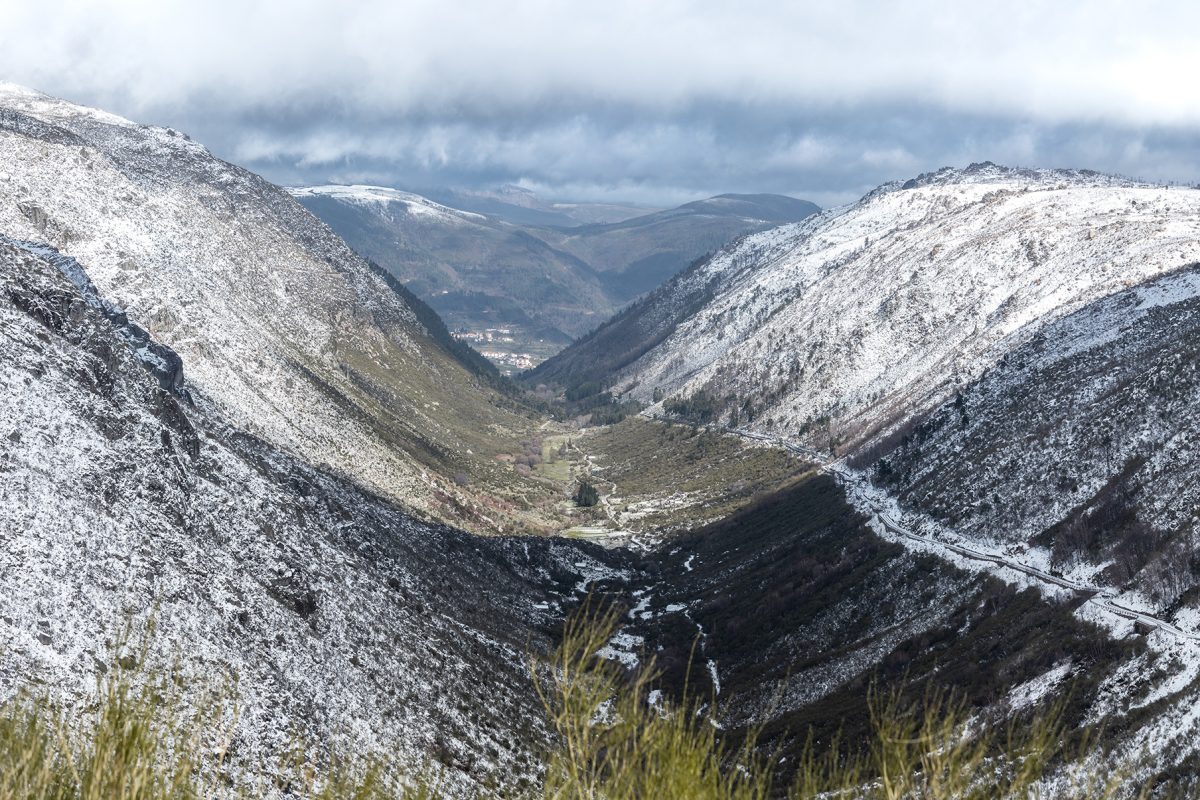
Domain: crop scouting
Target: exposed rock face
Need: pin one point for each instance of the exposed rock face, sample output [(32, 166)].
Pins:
[(163, 362)]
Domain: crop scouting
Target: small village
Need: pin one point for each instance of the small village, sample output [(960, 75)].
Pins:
[(498, 345)]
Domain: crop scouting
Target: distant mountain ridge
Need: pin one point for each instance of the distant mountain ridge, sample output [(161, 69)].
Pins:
[(522, 206), (638, 254), (552, 282)]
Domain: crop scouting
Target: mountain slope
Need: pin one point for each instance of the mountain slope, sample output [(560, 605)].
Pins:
[(845, 325), (841, 605), (290, 333), (602, 355), (326, 610), (1077, 448), (349, 623), (792, 613)]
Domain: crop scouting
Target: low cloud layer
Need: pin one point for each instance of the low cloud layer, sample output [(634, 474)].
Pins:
[(653, 102)]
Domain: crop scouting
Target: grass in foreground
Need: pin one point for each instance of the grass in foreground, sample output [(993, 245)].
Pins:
[(141, 741), (615, 744)]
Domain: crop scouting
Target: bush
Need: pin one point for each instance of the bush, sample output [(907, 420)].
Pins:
[(617, 745), (582, 390), (613, 413)]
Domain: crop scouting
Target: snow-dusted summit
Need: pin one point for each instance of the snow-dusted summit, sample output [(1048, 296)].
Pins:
[(414, 204)]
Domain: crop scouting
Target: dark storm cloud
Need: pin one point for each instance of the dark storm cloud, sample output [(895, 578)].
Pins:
[(656, 103)]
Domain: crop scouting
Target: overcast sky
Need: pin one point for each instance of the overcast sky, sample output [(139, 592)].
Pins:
[(654, 101)]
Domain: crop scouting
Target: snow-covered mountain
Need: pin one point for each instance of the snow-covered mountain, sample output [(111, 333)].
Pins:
[(476, 271), (335, 615), (1009, 352), (1006, 361), (842, 326), (289, 333)]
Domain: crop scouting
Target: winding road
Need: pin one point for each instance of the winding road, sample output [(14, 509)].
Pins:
[(1101, 598)]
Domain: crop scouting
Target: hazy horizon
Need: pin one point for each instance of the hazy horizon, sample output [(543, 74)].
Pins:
[(623, 102)]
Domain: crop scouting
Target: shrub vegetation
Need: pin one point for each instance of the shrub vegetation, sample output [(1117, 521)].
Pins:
[(618, 740)]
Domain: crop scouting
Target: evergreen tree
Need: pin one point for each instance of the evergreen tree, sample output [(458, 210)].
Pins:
[(586, 495)]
